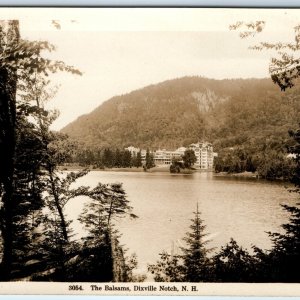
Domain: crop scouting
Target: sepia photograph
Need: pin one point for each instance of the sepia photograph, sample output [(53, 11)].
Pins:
[(149, 150)]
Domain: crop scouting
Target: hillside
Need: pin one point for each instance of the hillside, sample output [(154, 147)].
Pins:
[(245, 113)]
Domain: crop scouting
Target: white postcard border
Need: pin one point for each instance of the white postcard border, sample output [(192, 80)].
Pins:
[(151, 289)]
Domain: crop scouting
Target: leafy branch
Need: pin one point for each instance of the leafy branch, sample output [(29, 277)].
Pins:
[(284, 68)]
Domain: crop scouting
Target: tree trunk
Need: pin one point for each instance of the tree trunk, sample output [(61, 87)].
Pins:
[(8, 84), (58, 206)]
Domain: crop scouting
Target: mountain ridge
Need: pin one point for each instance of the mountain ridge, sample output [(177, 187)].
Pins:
[(179, 111), (163, 115)]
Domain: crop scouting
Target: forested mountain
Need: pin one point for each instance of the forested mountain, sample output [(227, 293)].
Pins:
[(251, 113), (161, 115)]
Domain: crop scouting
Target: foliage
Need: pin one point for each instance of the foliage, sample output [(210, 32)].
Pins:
[(149, 160), (285, 254), (109, 158), (27, 198), (36, 237), (234, 264), (294, 149), (281, 263), (284, 257), (107, 201), (131, 263), (189, 158), (193, 265), (268, 164), (195, 256), (252, 28), (176, 165), (168, 269), (137, 160), (54, 247), (9, 37), (26, 57), (284, 67), (180, 164), (90, 264)]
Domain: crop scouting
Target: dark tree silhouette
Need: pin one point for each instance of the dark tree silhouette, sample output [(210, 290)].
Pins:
[(197, 265), (189, 158)]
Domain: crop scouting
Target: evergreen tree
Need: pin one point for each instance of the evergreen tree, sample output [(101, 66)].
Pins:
[(138, 160), (95, 261), (118, 159), (53, 247), (149, 160), (195, 255), (102, 253), (28, 198), (133, 160), (193, 265), (126, 159), (108, 158)]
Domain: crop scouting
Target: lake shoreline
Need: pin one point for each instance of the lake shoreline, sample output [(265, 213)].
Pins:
[(239, 175), (159, 169), (166, 169)]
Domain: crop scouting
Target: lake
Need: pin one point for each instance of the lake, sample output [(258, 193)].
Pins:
[(244, 209)]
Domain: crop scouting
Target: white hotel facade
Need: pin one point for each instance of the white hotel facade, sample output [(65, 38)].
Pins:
[(203, 151)]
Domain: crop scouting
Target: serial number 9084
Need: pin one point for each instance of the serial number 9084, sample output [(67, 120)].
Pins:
[(75, 288)]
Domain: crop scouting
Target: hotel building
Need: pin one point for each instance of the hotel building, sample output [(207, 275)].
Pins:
[(203, 151)]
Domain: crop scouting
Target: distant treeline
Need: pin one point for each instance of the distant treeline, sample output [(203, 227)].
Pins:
[(268, 164), (112, 158)]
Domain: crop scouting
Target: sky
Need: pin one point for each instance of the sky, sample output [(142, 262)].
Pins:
[(120, 50)]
